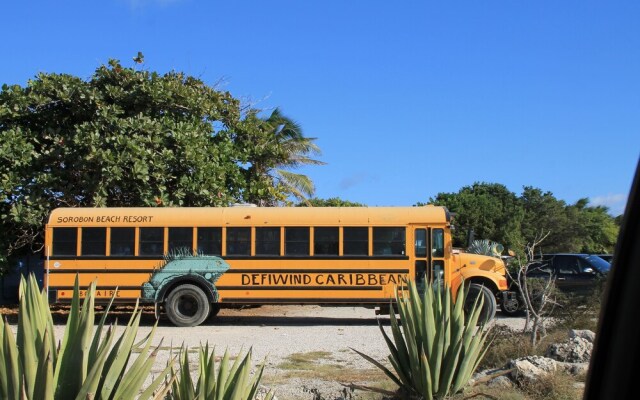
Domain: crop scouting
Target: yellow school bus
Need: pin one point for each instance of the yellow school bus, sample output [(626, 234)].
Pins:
[(190, 262)]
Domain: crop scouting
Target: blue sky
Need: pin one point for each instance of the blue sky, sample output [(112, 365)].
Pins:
[(407, 98)]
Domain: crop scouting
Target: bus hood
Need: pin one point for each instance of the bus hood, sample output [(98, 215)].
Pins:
[(482, 262)]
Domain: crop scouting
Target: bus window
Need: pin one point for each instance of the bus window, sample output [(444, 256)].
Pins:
[(296, 241), (94, 242), (438, 243), (123, 241), (210, 241), (421, 242), (267, 241), (65, 241), (438, 272), (388, 241), (355, 241), (325, 241), (151, 241), (238, 241), (180, 238)]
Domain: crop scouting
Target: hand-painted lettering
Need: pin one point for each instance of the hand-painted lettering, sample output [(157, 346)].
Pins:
[(74, 220), (137, 219), (105, 219), (320, 279)]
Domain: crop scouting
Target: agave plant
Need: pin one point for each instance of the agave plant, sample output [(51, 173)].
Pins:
[(437, 348), (80, 366), (228, 382), (486, 247)]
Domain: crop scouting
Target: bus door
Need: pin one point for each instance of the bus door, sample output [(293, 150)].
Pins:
[(437, 255), (421, 255), (429, 255)]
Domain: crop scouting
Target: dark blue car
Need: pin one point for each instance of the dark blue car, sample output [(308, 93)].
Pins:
[(574, 273)]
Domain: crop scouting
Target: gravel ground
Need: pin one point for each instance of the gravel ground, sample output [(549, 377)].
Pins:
[(307, 348)]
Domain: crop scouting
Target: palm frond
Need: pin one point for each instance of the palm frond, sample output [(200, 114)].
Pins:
[(299, 185)]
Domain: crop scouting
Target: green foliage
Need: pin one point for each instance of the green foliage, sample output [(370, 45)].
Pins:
[(277, 145), (85, 364), (226, 382), (497, 214), (129, 137), (490, 209), (438, 347), (330, 202)]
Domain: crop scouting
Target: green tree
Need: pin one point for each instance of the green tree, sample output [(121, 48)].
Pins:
[(546, 214), (499, 215), (490, 209), (282, 147), (124, 137), (598, 229), (330, 202)]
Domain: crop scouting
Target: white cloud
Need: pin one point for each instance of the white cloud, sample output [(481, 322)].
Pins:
[(615, 202)]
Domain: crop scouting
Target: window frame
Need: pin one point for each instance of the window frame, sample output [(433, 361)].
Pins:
[(142, 241), (68, 242), (297, 242), (260, 242), (383, 242), (242, 242), (86, 242), (215, 240), (171, 248), (330, 243), (112, 241)]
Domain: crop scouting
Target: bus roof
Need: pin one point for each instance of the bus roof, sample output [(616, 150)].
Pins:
[(248, 216)]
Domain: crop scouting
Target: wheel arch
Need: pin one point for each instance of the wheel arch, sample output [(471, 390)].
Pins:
[(484, 281), (197, 280), (483, 278)]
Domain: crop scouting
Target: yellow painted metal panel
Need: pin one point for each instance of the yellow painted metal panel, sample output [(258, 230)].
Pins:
[(247, 216)]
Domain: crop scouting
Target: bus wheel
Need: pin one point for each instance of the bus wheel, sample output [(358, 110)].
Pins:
[(187, 305), (489, 304)]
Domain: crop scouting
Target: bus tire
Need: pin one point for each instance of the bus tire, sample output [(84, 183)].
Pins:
[(489, 305), (187, 305)]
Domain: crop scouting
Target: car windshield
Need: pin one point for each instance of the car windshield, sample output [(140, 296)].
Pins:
[(602, 265)]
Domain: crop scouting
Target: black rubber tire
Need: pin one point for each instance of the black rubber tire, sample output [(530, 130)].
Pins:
[(489, 306), (512, 308), (187, 305)]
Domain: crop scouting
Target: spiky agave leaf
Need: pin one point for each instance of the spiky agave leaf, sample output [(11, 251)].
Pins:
[(437, 348), (227, 381), (81, 367)]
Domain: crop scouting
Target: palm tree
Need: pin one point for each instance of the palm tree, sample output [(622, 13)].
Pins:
[(294, 151)]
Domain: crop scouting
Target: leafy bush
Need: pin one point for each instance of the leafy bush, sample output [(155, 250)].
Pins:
[(438, 347), (506, 345), (553, 386)]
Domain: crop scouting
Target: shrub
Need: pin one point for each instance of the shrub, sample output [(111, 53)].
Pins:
[(81, 366), (438, 347), (89, 365), (229, 382), (553, 386), (506, 345)]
